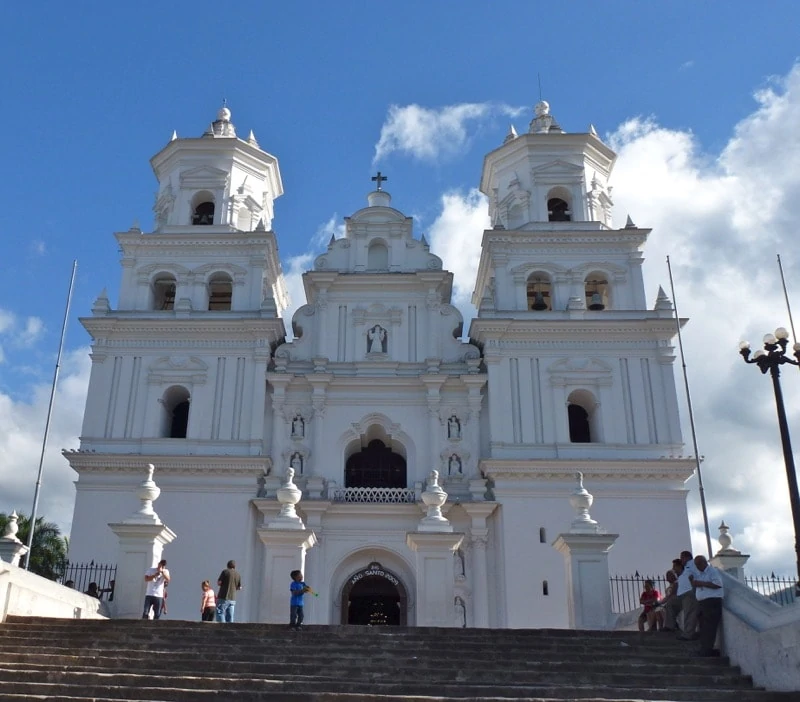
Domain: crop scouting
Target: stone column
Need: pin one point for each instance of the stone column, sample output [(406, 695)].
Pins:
[(479, 577), (11, 548), (728, 558), (433, 544), (585, 549), (142, 538), (286, 541)]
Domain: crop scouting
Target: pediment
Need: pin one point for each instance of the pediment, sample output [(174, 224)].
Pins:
[(203, 177), (558, 166), (186, 364), (376, 215)]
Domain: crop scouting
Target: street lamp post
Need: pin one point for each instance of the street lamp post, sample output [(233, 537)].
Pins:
[(771, 358)]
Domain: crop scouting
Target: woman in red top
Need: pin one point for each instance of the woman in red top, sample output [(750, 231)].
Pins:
[(649, 598)]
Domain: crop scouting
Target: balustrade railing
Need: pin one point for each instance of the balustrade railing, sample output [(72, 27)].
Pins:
[(80, 575), (374, 494)]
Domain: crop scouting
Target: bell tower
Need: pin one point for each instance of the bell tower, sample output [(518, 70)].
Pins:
[(581, 374), (179, 365)]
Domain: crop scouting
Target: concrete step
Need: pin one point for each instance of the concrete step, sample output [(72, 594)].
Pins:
[(190, 661)]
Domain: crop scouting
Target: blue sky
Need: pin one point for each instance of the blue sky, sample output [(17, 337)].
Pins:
[(93, 91)]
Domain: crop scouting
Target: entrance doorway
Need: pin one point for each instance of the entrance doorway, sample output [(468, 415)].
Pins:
[(374, 596)]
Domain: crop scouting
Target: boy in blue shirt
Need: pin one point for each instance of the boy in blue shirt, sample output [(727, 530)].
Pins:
[(297, 588)]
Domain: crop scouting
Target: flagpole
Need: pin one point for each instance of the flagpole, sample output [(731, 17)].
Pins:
[(691, 413), (786, 296), (32, 522)]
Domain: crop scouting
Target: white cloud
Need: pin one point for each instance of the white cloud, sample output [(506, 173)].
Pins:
[(17, 335), (429, 134), (294, 267), (38, 247), (722, 218), (21, 431), (455, 236)]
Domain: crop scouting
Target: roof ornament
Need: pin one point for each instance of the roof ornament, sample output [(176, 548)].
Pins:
[(592, 130), (222, 126), (174, 135), (251, 139), (379, 197), (512, 134), (543, 122)]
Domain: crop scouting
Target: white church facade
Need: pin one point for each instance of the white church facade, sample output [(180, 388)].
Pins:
[(566, 369)]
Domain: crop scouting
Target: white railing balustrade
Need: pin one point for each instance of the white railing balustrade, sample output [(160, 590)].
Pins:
[(374, 494)]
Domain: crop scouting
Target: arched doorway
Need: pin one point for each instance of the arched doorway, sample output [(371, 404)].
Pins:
[(374, 596)]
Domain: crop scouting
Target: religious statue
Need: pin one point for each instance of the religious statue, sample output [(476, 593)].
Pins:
[(376, 339), (453, 428), (454, 465), (458, 564), (296, 463), (460, 612), (298, 426)]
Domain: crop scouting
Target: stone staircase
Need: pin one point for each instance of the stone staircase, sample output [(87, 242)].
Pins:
[(59, 659)]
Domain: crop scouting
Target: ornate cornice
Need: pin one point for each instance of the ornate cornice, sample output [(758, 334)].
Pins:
[(90, 462), (660, 469)]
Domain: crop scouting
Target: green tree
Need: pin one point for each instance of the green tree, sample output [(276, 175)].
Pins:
[(49, 550)]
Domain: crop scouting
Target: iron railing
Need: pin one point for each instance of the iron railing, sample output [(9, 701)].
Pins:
[(781, 590), (375, 494), (81, 575), (626, 589)]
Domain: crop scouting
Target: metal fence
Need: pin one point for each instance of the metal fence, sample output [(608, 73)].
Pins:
[(81, 575), (626, 589), (781, 590)]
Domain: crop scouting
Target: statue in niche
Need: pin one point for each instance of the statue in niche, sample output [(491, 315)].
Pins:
[(298, 427), (460, 612), (458, 564), (454, 465), (453, 428), (376, 339), (296, 463)]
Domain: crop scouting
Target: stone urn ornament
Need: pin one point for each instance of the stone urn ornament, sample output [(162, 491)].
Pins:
[(581, 500), (148, 493), (433, 498), (288, 495), (12, 527)]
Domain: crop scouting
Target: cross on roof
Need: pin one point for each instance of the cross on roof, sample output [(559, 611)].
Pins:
[(379, 179)]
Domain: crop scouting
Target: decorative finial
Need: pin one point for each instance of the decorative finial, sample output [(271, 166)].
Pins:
[(581, 500), (543, 122), (629, 223), (12, 527), (592, 130), (433, 498), (512, 134), (662, 301), (148, 493), (251, 139), (288, 495), (725, 539), (174, 135)]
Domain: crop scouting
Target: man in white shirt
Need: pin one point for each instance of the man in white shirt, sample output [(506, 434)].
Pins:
[(156, 578), (686, 595), (709, 592)]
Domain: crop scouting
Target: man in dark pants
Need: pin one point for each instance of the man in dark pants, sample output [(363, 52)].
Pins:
[(709, 592)]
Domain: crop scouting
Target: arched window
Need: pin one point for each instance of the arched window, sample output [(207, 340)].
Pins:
[(175, 421), (539, 292), (378, 257), (203, 213), (597, 291), (164, 292), (375, 466), (203, 208), (558, 210), (579, 430), (583, 418), (220, 292)]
